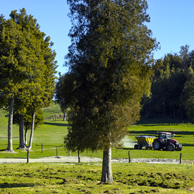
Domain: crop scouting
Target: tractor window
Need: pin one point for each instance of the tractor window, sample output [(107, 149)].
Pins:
[(162, 136), (168, 136)]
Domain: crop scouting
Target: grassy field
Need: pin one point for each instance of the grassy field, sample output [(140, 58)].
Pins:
[(52, 133), (131, 178)]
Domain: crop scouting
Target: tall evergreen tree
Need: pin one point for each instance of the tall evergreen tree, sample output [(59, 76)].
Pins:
[(109, 72), (12, 69), (27, 66), (167, 87), (188, 94), (59, 93)]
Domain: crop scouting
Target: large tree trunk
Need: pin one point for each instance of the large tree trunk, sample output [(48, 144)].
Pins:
[(10, 124), (32, 131), (22, 144), (107, 167)]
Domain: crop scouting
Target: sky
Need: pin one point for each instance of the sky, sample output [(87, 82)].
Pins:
[(171, 23)]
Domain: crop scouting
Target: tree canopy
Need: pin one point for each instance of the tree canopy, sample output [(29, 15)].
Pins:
[(172, 96), (109, 72), (27, 66)]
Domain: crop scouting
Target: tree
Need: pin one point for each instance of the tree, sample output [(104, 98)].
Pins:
[(188, 94), (60, 91), (41, 87), (167, 87), (27, 67), (11, 70), (109, 72), (27, 119)]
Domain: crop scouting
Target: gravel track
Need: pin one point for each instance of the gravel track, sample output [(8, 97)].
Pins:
[(74, 159)]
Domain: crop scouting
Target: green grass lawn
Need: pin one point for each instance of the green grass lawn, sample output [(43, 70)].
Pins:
[(131, 178)]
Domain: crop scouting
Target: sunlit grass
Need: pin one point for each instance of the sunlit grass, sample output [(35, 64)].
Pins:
[(128, 178)]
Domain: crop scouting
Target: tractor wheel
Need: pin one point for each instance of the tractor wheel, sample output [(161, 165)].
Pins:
[(170, 147), (180, 147), (157, 144), (140, 147), (136, 146)]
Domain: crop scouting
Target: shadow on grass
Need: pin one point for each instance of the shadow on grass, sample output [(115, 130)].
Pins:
[(14, 185), (127, 149), (188, 145), (57, 124), (149, 132)]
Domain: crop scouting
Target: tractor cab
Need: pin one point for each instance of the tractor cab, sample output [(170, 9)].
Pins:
[(164, 136)]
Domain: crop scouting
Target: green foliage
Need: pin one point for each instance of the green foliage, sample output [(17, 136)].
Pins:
[(172, 87), (27, 66), (108, 71), (60, 91), (26, 61), (188, 98), (39, 119), (167, 89)]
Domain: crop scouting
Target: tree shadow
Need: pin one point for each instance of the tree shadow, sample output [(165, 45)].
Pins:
[(188, 145), (149, 132), (14, 185), (57, 124), (8, 151), (127, 149)]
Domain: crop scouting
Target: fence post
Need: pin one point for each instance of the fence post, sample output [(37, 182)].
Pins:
[(57, 152), (42, 147), (180, 158), (78, 157), (129, 156), (27, 155), (69, 152)]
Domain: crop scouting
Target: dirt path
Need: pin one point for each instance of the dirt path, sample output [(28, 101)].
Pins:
[(74, 159), (68, 159)]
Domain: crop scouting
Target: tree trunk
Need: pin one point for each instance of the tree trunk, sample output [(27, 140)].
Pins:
[(32, 131), (107, 167), (26, 132), (22, 144), (10, 124), (64, 116)]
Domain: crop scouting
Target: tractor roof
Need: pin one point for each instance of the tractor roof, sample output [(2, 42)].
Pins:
[(163, 132)]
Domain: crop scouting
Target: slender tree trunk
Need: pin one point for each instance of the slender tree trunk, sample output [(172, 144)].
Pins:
[(64, 116), (22, 144), (10, 124), (107, 167), (32, 131), (26, 132)]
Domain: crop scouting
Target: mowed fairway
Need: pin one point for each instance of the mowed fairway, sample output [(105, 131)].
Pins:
[(131, 178)]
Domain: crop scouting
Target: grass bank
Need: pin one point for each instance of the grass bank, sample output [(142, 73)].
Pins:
[(128, 178)]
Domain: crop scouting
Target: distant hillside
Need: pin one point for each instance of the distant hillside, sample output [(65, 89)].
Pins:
[(51, 110), (48, 111)]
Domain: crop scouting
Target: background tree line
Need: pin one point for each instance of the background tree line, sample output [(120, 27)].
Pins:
[(172, 87)]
